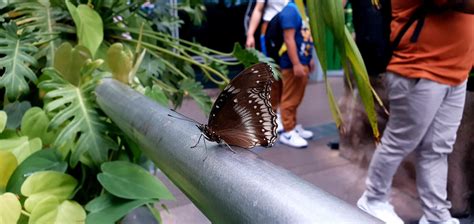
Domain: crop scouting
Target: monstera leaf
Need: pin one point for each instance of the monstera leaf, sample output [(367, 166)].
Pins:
[(76, 112), (16, 51), (43, 17)]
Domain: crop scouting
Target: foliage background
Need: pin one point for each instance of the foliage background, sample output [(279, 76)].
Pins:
[(58, 150)]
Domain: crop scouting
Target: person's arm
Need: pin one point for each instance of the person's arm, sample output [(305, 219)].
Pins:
[(254, 21), (289, 38)]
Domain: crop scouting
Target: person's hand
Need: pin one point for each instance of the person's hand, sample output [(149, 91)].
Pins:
[(312, 66), (300, 70), (250, 43)]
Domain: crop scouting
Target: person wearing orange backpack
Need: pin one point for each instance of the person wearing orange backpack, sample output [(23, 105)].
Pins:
[(426, 82)]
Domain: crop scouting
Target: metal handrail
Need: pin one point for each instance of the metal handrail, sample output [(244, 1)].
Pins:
[(227, 187)]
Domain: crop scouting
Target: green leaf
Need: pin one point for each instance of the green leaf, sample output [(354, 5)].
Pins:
[(47, 159), (16, 51), (120, 62), (77, 113), (35, 124), (109, 209), (89, 26), (3, 120), (363, 82), (69, 62), (247, 58), (318, 31), (130, 181), (195, 90), (157, 94), (251, 56), (10, 208), (47, 20), (15, 112), (21, 147), (50, 210), (44, 184), (8, 164), (329, 16)]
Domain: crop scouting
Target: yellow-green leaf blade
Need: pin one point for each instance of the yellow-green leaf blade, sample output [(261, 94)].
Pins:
[(10, 208), (8, 164), (44, 184)]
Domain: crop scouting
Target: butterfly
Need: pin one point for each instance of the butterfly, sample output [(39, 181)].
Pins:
[(242, 114)]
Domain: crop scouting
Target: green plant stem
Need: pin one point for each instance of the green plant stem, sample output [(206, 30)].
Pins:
[(131, 5), (164, 86), (25, 213), (165, 36), (171, 53), (169, 65), (175, 44)]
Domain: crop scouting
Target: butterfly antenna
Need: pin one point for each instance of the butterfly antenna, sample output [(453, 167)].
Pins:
[(183, 117)]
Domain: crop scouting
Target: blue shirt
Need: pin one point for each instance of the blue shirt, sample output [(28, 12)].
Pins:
[(290, 18)]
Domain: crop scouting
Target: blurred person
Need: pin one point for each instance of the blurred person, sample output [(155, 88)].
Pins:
[(295, 66), (265, 11), (426, 83)]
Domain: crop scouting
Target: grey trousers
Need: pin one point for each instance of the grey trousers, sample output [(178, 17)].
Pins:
[(424, 116)]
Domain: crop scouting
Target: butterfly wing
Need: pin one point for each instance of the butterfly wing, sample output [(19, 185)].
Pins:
[(242, 114)]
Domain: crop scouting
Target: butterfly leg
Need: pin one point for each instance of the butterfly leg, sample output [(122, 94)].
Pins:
[(200, 136), (228, 146)]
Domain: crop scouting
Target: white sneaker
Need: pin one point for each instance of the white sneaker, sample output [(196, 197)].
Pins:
[(292, 139), (423, 220), (302, 132), (379, 209), (279, 124)]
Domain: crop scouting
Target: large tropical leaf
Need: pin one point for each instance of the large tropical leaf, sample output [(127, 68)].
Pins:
[(16, 58), (328, 16), (47, 20), (90, 31), (77, 113), (130, 181), (362, 79)]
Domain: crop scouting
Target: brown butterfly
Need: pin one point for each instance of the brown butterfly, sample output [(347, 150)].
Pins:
[(242, 114)]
